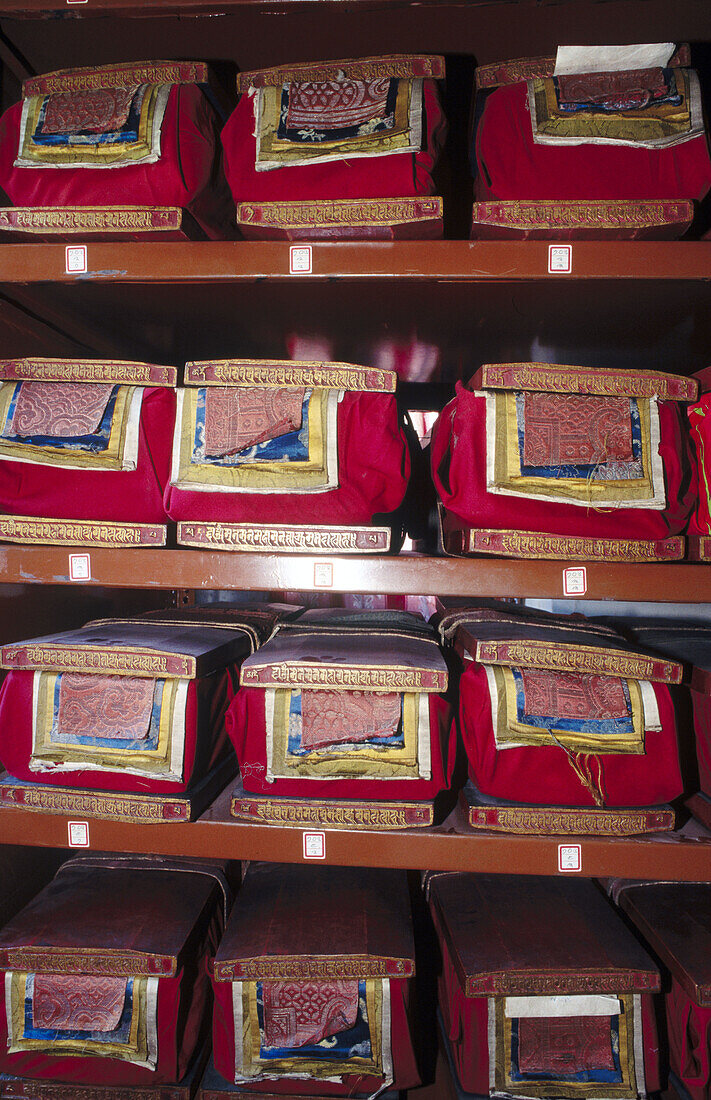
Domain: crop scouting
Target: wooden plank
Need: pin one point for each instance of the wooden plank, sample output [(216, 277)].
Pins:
[(400, 574), (685, 860), (248, 261)]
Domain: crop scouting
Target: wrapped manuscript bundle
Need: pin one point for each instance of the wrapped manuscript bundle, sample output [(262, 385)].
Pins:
[(590, 464), (566, 728), (120, 151), (543, 991), (281, 455), (339, 722), (337, 149), (123, 718), (675, 920), (105, 978), (84, 451), (312, 983), (690, 643), (600, 141)]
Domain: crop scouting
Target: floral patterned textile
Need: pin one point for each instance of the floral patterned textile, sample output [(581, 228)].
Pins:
[(64, 411), (94, 111), (70, 1002), (239, 417), (564, 1045), (334, 717), (297, 1013), (573, 429), (573, 695), (113, 707), (326, 108)]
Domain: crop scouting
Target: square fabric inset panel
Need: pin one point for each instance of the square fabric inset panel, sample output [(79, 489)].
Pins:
[(575, 430), (574, 695), (564, 1045), (113, 707), (332, 109), (96, 111), (333, 717), (45, 408), (70, 1002), (237, 418), (300, 1013)]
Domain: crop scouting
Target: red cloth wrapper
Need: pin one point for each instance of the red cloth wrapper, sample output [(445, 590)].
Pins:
[(373, 471), (466, 1028), (246, 727), (132, 496), (459, 472), (405, 1071), (187, 173), (397, 175), (183, 1006), (511, 166), (702, 730), (689, 1033), (543, 775), (205, 738)]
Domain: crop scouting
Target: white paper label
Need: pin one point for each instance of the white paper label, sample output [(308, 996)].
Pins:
[(575, 581), (585, 1004), (323, 574), (570, 857), (75, 259), (314, 845), (79, 567), (78, 834), (300, 259), (560, 259)]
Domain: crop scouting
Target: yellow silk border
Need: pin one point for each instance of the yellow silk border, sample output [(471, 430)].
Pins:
[(385, 763), (289, 1067), (136, 1049), (278, 152), (312, 474), (643, 125), (151, 762), (627, 1090), (509, 729), (113, 154), (112, 458), (508, 476)]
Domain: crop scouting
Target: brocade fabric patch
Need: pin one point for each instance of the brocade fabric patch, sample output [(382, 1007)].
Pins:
[(297, 1013), (616, 91), (95, 111), (573, 429), (61, 411), (111, 707), (240, 417), (564, 1045), (335, 717), (328, 110), (574, 695), (73, 1002)]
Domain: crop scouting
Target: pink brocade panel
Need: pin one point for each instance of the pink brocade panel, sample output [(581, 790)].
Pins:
[(237, 418), (573, 695), (623, 90), (59, 409), (98, 111), (573, 429), (335, 717), (77, 1002), (113, 707), (300, 1013), (564, 1045), (336, 104)]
